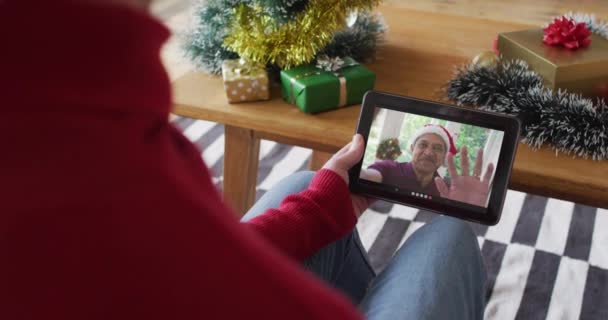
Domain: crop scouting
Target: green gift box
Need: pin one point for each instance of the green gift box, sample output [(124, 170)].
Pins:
[(330, 84), (583, 71)]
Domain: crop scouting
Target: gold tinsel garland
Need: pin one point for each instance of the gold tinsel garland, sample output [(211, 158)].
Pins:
[(257, 37)]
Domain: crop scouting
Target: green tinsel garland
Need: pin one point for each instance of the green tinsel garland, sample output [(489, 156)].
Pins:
[(567, 122), (388, 149)]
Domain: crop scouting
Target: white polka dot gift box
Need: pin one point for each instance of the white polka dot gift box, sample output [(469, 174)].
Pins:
[(244, 81)]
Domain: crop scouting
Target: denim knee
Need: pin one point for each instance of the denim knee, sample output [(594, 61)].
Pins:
[(437, 274), (299, 180), (454, 229), (459, 235), (448, 240), (291, 184)]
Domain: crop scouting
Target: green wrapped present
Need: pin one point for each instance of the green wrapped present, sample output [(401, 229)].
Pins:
[(330, 84)]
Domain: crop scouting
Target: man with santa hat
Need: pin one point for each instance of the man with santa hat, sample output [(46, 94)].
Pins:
[(433, 146)]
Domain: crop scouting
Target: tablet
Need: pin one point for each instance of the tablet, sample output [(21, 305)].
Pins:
[(433, 156)]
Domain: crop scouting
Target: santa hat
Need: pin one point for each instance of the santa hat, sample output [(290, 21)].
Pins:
[(438, 130)]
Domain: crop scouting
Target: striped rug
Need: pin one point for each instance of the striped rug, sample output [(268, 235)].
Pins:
[(546, 259)]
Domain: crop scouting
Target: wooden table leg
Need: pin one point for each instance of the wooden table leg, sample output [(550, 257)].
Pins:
[(318, 159), (241, 154)]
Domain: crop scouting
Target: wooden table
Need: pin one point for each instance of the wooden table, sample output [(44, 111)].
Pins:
[(417, 58)]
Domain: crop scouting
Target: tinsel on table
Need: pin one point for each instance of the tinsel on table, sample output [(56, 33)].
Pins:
[(567, 122), (204, 43)]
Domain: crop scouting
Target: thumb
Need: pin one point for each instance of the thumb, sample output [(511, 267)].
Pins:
[(354, 153)]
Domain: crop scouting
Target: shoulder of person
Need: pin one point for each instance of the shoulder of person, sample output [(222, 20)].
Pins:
[(388, 163)]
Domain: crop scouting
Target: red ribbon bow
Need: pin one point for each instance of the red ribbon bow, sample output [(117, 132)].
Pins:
[(567, 33)]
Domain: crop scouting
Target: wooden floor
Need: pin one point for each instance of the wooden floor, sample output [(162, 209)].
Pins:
[(177, 15)]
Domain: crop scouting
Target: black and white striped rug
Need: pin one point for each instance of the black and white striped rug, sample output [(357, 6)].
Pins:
[(546, 259)]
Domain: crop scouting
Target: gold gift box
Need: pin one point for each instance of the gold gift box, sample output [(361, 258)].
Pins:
[(584, 70), (244, 81)]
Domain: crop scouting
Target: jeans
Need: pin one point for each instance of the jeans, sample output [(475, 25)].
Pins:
[(438, 273)]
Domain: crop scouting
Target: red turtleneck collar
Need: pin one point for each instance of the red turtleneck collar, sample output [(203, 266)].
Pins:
[(67, 55)]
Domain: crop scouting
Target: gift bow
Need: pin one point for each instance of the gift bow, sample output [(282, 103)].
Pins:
[(333, 65), (247, 68)]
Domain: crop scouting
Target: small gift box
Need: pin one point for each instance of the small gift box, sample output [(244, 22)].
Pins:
[(578, 67), (330, 84), (244, 81)]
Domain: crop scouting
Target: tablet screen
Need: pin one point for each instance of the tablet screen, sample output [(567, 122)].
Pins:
[(430, 158)]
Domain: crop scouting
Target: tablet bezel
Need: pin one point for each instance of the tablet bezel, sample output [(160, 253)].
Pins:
[(508, 124)]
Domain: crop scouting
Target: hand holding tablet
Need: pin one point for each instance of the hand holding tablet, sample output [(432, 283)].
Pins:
[(417, 154)]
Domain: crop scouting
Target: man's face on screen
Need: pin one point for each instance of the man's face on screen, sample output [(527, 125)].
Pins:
[(428, 153)]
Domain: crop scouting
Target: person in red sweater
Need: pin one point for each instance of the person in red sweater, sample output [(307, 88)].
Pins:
[(108, 211)]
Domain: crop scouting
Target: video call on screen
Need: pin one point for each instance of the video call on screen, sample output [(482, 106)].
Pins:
[(410, 152)]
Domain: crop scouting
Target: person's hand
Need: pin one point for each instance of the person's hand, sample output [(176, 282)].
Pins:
[(467, 188), (345, 159)]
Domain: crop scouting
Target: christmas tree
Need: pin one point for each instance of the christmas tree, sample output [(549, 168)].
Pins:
[(388, 149), (282, 33)]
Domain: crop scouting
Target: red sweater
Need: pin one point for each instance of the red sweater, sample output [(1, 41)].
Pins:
[(108, 212)]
